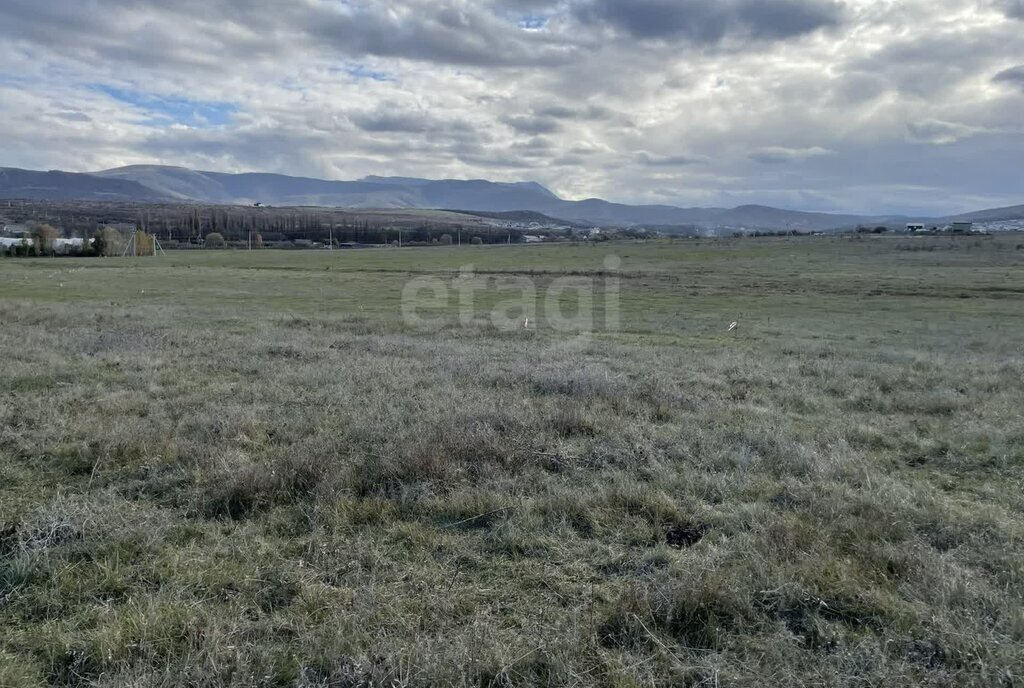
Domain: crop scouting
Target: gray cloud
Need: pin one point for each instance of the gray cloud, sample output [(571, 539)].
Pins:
[(452, 32), (654, 160), (592, 112), (521, 7), (537, 147), (938, 132), (390, 117), (72, 116), (1014, 76), (529, 124), (200, 34), (391, 122), (927, 66), (777, 155), (711, 22), (862, 105)]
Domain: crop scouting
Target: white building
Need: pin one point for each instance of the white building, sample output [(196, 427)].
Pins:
[(60, 244), (8, 242)]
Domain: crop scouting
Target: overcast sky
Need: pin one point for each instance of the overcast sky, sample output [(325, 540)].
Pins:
[(844, 105)]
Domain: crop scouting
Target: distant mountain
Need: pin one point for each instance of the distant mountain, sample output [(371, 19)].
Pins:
[(515, 216), (64, 186), (371, 192), (760, 215), (270, 189), (476, 195), (158, 183), (1013, 212)]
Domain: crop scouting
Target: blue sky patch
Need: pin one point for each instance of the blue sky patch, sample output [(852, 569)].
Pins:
[(533, 22), (7, 79), (361, 72), (163, 110)]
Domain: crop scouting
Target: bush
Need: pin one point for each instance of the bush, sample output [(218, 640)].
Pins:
[(44, 236), (214, 240), (476, 241), (111, 241), (93, 246)]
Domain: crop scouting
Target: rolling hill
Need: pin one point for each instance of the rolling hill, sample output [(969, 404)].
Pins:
[(62, 186), (1014, 212), (159, 183)]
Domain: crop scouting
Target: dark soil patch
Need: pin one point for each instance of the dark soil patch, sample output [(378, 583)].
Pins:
[(8, 538), (682, 536)]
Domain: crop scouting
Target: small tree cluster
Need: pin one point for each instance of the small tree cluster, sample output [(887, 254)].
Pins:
[(45, 236)]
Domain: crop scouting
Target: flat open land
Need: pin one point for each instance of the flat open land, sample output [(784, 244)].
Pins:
[(251, 469)]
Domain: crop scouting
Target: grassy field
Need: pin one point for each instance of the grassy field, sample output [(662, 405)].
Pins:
[(249, 469)]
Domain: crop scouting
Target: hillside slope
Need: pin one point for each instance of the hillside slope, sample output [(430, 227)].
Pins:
[(473, 195), (61, 186), (159, 183)]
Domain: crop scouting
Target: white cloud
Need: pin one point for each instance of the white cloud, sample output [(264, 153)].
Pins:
[(940, 133), (780, 101), (776, 155), (655, 160)]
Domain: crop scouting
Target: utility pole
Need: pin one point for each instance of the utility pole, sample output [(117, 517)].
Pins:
[(399, 237), (332, 237)]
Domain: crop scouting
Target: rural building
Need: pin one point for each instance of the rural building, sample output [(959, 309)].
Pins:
[(67, 244), (531, 239), (915, 227), (962, 227)]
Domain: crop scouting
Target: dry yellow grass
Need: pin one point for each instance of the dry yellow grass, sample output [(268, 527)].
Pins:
[(253, 474)]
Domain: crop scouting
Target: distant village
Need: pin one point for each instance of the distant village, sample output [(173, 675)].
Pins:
[(108, 230)]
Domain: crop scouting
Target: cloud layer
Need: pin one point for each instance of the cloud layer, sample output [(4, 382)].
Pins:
[(852, 105)]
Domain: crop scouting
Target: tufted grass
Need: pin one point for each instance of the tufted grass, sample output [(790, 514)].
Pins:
[(245, 470)]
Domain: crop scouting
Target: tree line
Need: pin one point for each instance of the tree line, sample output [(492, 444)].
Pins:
[(45, 240), (179, 224)]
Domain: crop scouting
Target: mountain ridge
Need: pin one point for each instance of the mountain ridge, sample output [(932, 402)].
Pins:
[(161, 183)]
